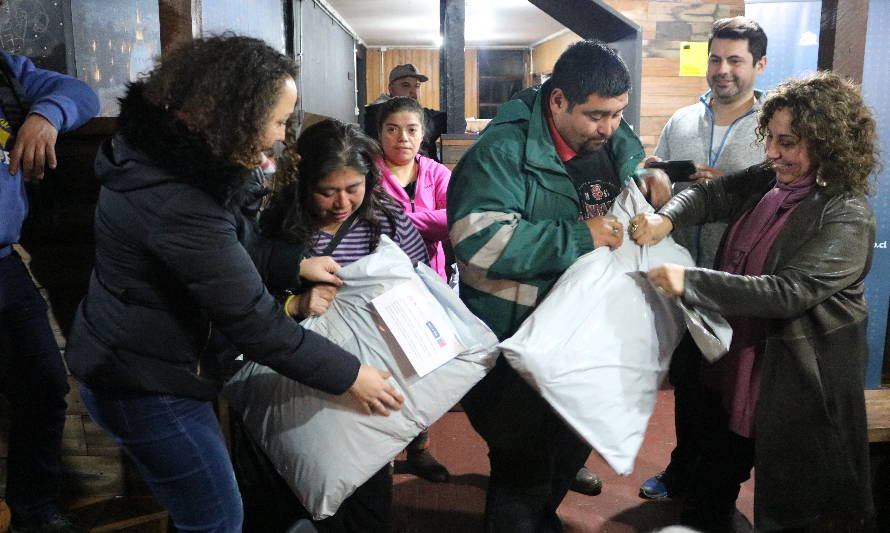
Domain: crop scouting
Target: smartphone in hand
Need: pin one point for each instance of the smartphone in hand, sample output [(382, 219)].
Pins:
[(677, 170)]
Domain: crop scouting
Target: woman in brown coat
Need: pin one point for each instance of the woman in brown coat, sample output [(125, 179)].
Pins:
[(788, 397)]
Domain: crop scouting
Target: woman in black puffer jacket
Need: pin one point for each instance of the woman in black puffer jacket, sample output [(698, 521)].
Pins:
[(173, 275)]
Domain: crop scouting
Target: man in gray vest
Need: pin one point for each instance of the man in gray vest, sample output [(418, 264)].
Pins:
[(717, 133)]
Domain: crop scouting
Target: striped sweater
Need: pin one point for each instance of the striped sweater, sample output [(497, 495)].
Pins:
[(354, 245)]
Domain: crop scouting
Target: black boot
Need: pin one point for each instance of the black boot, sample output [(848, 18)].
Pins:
[(421, 462), (586, 482)]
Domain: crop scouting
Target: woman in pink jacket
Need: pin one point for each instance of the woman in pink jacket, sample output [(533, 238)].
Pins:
[(417, 182)]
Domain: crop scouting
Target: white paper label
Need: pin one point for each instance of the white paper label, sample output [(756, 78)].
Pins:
[(419, 325)]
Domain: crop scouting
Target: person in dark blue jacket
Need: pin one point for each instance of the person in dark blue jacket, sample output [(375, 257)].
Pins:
[(35, 105), (174, 279)]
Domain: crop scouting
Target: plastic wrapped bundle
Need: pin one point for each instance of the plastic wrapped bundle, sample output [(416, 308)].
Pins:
[(600, 343), (321, 445)]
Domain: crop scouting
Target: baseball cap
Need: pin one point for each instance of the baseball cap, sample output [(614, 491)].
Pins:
[(404, 71)]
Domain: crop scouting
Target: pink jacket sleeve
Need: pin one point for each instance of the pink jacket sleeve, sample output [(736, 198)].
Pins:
[(429, 200)]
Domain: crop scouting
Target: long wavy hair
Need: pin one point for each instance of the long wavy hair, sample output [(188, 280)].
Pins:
[(323, 148), (222, 89), (827, 112)]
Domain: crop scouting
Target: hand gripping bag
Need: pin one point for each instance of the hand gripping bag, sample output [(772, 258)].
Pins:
[(321, 445), (600, 343)]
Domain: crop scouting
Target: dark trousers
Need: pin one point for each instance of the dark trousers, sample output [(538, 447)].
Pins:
[(684, 374), (534, 454), (32, 377), (725, 462), (367, 510)]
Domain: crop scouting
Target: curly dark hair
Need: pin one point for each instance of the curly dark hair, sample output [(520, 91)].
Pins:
[(323, 148), (223, 89), (827, 112)]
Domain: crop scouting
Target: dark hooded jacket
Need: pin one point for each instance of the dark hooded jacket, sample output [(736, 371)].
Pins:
[(173, 277)]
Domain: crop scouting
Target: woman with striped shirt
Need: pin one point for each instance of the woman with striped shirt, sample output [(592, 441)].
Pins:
[(335, 197), (336, 183)]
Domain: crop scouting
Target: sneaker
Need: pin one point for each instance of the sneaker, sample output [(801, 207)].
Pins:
[(52, 523), (656, 487)]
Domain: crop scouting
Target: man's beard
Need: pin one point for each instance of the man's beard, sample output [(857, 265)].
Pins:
[(729, 94), (593, 145)]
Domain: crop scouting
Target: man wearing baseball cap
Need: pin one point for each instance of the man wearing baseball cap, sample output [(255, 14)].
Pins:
[(405, 80)]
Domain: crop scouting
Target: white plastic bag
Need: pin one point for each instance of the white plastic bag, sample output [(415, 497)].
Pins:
[(321, 444), (600, 343)]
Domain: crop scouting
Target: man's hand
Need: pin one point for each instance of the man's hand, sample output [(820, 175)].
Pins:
[(656, 187), (35, 147), (649, 228), (605, 231), (373, 394), (705, 173), (313, 302)]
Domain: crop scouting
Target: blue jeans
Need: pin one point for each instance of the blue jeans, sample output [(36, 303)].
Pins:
[(177, 445), (32, 377)]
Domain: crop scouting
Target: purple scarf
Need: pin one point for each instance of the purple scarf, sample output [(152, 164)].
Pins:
[(737, 374)]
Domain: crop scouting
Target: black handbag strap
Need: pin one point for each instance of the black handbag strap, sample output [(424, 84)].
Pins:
[(341, 232)]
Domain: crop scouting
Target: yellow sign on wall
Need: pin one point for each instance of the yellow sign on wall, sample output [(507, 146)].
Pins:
[(693, 59)]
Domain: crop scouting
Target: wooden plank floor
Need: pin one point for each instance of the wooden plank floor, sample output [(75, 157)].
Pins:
[(878, 404)]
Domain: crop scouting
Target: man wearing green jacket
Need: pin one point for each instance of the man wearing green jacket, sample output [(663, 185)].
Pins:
[(528, 199)]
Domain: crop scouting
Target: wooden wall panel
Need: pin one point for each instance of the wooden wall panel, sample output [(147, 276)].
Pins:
[(379, 62), (425, 59), (373, 77), (665, 24), (544, 55), (471, 83)]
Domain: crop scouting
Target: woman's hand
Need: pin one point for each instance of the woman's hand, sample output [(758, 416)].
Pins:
[(668, 279), (373, 393), (320, 269), (313, 302), (649, 228)]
